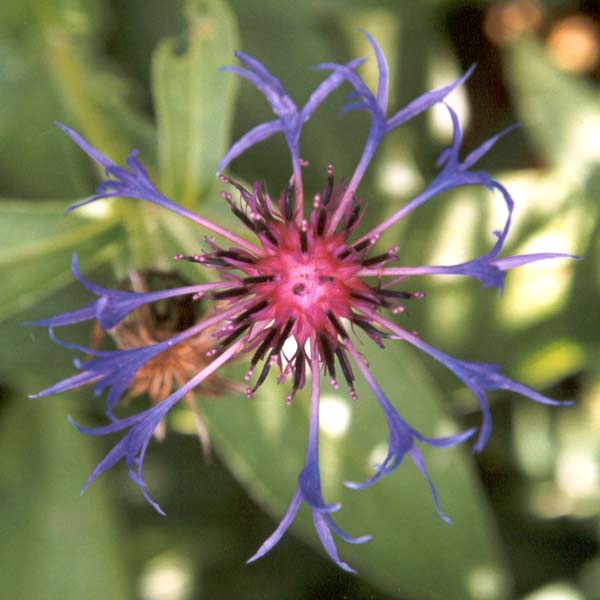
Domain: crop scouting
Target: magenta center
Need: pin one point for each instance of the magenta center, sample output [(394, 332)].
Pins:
[(309, 284)]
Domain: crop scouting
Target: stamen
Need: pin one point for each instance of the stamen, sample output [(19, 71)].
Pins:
[(353, 218), (288, 201), (196, 258), (328, 355), (370, 329), (207, 259), (370, 299), (376, 259), (229, 339), (235, 255), (338, 326), (321, 220), (254, 308), (263, 347), (346, 369), (303, 238), (243, 217), (284, 335), (329, 186), (262, 228), (231, 293), (395, 294), (299, 366), (258, 279), (261, 378)]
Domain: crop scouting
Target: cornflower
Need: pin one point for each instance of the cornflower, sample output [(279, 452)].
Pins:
[(306, 276)]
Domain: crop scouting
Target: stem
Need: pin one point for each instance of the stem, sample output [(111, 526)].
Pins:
[(312, 450)]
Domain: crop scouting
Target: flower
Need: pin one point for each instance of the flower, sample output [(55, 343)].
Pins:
[(305, 275)]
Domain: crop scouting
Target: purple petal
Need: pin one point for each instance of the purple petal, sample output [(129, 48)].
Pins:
[(86, 147), (115, 369), (280, 102), (325, 88), (326, 538), (344, 536), (476, 154), (112, 306), (383, 73), (478, 377), (510, 262), (401, 438), (425, 101), (254, 136), (132, 447), (309, 483), (417, 458), (283, 526)]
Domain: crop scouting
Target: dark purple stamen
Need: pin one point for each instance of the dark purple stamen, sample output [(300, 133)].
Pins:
[(338, 326), (231, 293), (258, 279), (254, 308)]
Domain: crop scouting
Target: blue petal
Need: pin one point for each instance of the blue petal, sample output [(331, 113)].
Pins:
[(115, 369), (111, 307), (425, 101)]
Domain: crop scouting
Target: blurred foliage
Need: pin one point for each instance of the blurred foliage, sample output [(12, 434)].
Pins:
[(143, 74)]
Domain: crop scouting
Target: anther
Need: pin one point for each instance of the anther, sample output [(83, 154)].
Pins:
[(260, 352), (253, 308), (337, 325), (346, 368), (288, 201), (284, 335), (395, 294), (231, 293), (377, 259), (303, 238), (327, 354), (258, 279), (329, 186), (353, 218), (321, 220)]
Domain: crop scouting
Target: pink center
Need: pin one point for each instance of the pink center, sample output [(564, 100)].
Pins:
[(308, 285)]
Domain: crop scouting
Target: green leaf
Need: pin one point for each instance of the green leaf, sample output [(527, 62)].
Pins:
[(38, 241), (194, 101), (54, 544), (560, 111), (413, 552), (52, 67)]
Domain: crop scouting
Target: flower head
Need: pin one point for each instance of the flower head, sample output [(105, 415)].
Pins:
[(306, 275)]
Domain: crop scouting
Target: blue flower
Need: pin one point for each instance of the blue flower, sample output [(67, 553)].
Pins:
[(304, 276)]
